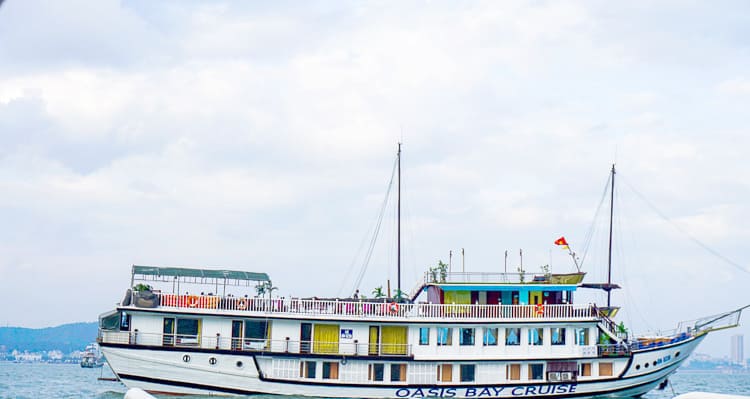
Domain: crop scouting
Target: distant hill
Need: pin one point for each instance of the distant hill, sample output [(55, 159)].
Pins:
[(66, 338)]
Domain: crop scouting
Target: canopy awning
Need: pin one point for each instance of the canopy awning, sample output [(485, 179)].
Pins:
[(198, 273)]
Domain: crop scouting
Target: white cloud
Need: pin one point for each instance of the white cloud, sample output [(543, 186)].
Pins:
[(262, 136)]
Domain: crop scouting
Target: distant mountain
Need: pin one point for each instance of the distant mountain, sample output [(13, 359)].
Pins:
[(66, 338)]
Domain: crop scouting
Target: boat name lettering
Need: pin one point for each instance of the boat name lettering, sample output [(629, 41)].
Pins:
[(485, 392)]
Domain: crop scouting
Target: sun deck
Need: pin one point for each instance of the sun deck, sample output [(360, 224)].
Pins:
[(359, 309)]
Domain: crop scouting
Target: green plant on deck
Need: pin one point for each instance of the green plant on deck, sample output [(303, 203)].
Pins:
[(265, 287), (378, 292), (439, 273), (521, 274), (399, 295), (621, 329), (142, 287)]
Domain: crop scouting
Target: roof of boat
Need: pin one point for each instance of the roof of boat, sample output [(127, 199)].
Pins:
[(199, 273)]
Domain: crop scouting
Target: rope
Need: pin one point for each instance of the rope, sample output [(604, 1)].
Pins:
[(376, 231), (681, 230), (590, 233)]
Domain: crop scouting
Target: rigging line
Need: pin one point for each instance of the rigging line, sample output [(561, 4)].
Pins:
[(683, 231), (350, 269), (590, 232), (376, 231)]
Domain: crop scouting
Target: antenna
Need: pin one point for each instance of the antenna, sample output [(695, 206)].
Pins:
[(505, 265), (463, 261)]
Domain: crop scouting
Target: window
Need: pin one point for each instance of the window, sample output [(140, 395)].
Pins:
[(536, 371), (513, 372), (536, 336), (188, 331), (398, 372), (582, 336), (393, 340), (168, 337), (467, 372), (124, 322), (490, 337), (445, 372), (376, 371), (424, 336), (257, 333), (325, 338), (445, 336), (512, 336), (605, 369), (466, 337), (557, 335), (330, 370), (586, 369), (307, 369)]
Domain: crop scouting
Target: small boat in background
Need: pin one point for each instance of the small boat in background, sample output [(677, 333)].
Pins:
[(92, 357)]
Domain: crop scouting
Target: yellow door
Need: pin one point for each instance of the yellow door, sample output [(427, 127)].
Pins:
[(393, 340), (535, 297), (374, 340), (325, 338)]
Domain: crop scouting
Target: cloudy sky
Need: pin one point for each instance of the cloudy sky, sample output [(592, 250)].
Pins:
[(261, 136)]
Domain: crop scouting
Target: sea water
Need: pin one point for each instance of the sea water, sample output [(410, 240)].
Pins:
[(53, 381)]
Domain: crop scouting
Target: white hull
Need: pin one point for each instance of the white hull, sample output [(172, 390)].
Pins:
[(160, 370)]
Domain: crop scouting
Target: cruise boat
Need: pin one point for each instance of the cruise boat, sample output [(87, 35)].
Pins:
[(92, 357), (456, 335)]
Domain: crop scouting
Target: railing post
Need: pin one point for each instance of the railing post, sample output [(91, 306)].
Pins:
[(286, 344), (356, 347), (217, 340)]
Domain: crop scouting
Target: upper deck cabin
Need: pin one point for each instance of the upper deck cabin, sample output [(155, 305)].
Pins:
[(451, 296), (500, 288)]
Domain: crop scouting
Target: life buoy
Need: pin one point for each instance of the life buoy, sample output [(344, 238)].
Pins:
[(192, 301), (393, 308), (539, 309), (242, 304)]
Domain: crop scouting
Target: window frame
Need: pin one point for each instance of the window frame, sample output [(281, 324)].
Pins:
[(463, 369), (448, 336), (426, 336), (539, 335), (401, 368), (517, 331), (495, 335), (532, 368), (470, 337), (561, 335), (333, 368)]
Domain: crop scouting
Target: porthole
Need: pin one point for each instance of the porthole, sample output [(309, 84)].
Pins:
[(186, 358), (677, 354), (239, 364), (637, 366), (654, 363), (645, 365), (212, 361)]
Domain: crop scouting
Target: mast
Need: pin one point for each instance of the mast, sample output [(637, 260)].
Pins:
[(611, 213), (398, 246)]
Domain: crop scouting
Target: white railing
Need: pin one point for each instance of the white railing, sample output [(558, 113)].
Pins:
[(479, 277), (355, 348), (385, 310)]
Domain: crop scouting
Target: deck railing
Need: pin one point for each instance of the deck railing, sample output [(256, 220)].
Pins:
[(253, 344), (385, 310)]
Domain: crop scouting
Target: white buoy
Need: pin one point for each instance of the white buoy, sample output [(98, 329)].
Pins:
[(709, 395), (137, 393)]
